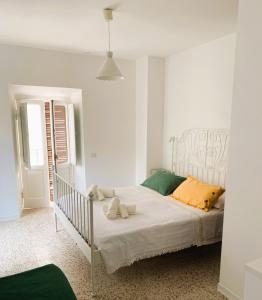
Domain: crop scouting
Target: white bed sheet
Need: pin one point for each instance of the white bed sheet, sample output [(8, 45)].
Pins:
[(161, 225)]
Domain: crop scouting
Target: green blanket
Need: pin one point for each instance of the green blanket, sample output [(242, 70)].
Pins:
[(47, 282)]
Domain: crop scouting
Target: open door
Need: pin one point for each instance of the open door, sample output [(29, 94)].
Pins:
[(60, 140), (64, 139), (33, 164)]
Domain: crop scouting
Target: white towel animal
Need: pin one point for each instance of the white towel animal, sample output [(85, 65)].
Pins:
[(113, 208)]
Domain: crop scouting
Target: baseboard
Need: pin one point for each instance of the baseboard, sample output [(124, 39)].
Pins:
[(227, 292), (9, 218)]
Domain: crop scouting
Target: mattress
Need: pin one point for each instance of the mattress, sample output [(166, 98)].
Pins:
[(161, 225)]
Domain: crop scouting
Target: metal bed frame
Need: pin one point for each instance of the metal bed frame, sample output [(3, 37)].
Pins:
[(198, 152), (202, 153), (75, 212)]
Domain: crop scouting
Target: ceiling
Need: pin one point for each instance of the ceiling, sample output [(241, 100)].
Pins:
[(140, 27)]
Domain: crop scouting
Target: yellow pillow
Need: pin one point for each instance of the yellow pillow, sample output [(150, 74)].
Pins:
[(197, 193)]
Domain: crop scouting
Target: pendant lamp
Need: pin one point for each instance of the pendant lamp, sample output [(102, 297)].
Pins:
[(109, 69)]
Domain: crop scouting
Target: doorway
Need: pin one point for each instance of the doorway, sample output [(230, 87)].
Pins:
[(46, 133)]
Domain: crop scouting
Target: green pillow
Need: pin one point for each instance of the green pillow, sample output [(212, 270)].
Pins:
[(163, 182)]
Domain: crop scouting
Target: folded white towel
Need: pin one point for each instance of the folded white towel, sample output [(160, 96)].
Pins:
[(123, 211), (105, 208), (108, 193), (113, 208), (99, 194), (95, 193), (131, 208)]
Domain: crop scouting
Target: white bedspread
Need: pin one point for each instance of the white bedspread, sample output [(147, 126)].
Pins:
[(161, 225)]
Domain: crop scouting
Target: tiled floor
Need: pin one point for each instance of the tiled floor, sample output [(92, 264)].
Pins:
[(32, 241)]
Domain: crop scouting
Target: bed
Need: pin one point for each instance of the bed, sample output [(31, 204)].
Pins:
[(161, 224)]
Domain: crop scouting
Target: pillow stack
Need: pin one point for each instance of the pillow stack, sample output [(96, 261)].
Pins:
[(190, 190)]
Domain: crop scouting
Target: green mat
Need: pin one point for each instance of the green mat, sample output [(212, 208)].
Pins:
[(47, 282)]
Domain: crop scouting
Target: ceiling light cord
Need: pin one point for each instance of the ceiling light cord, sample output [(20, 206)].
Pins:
[(109, 43)]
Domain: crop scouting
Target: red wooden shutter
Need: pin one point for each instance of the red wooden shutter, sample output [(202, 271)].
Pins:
[(61, 142), (60, 127)]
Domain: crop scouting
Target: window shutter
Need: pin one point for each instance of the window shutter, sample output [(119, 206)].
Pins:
[(71, 131), (60, 126)]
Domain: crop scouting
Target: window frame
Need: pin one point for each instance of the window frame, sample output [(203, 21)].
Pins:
[(39, 102)]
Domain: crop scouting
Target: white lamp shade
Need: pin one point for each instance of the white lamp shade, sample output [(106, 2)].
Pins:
[(109, 70)]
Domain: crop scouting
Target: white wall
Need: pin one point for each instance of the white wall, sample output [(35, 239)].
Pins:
[(149, 115), (242, 240), (141, 118), (109, 118), (108, 115), (156, 98), (198, 89)]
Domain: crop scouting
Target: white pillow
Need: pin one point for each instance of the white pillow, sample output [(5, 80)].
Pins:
[(220, 204)]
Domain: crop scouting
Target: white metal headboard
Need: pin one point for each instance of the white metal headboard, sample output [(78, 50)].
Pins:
[(202, 153)]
